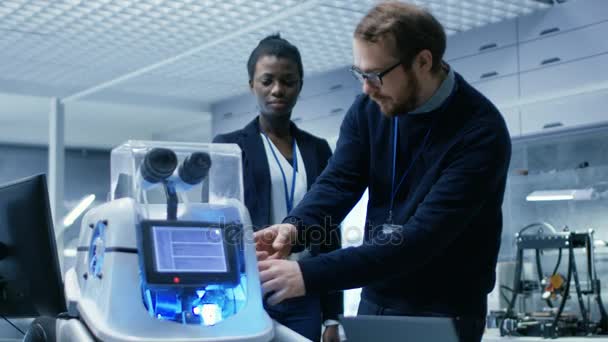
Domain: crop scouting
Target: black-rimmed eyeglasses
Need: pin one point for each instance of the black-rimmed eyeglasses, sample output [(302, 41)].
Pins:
[(373, 78)]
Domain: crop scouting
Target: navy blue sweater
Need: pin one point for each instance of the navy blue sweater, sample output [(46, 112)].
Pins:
[(443, 260)]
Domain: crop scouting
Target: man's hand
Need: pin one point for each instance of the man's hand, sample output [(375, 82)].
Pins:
[(275, 241), (283, 278), (331, 334)]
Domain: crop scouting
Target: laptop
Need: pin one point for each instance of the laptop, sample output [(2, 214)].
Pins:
[(398, 328)]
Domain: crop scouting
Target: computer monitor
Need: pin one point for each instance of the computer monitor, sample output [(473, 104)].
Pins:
[(398, 329), (30, 278)]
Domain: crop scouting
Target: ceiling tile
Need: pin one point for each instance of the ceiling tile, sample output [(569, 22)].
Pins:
[(75, 44)]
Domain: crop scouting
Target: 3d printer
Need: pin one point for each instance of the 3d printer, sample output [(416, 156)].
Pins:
[(554, 321)]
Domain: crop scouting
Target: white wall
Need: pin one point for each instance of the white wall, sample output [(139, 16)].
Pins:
[(24, 120)]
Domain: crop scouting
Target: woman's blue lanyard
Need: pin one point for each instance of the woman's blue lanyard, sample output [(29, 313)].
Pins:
[(409, 168), (288, 198)]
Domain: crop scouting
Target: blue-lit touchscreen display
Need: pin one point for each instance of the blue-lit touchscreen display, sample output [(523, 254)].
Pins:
[(189, 249)]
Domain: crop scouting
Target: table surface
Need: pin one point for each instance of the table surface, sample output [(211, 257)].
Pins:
[(493, 335), (9, 334)]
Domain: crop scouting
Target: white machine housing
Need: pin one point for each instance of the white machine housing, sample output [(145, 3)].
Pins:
[(109, 303)]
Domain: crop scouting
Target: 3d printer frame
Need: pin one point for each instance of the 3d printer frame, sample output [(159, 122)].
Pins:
[(560, 241)]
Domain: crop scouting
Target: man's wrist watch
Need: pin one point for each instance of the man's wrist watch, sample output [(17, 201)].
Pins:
[(330, 322)]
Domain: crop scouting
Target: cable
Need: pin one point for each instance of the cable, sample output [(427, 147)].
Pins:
[(65, 315), (504, 296), (233, 302), (559, 260), (506, 288), (14, 326)]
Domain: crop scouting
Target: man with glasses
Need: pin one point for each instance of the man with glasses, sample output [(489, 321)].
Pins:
[(434, 153)]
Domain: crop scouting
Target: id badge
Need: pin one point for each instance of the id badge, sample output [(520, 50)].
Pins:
[(389, 228)]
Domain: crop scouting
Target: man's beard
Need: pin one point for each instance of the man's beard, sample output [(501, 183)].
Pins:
[(390, 108)]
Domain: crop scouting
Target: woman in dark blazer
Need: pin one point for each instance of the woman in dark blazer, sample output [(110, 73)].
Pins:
[(273, 148)]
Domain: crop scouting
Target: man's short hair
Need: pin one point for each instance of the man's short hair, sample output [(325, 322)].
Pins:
[(410, 28), (274, 45)]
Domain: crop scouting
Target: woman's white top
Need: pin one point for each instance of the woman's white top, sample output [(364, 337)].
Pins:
[(278, 206)]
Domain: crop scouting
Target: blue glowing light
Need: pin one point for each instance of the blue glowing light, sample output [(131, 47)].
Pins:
[(97, 248)]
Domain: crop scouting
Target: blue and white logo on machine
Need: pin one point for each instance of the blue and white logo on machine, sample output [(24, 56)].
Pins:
[(97, 249)]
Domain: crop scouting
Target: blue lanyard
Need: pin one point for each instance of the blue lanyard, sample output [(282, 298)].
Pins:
[(288, 198), (409, 168)]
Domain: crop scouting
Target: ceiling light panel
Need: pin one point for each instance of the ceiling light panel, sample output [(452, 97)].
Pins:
[(462, 15), (78, 44), (458, 15), (122, 35), (323, 47), (324, 36), (207, 78)]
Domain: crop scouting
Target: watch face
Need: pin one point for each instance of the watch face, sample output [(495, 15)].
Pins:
[(97, 249)]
